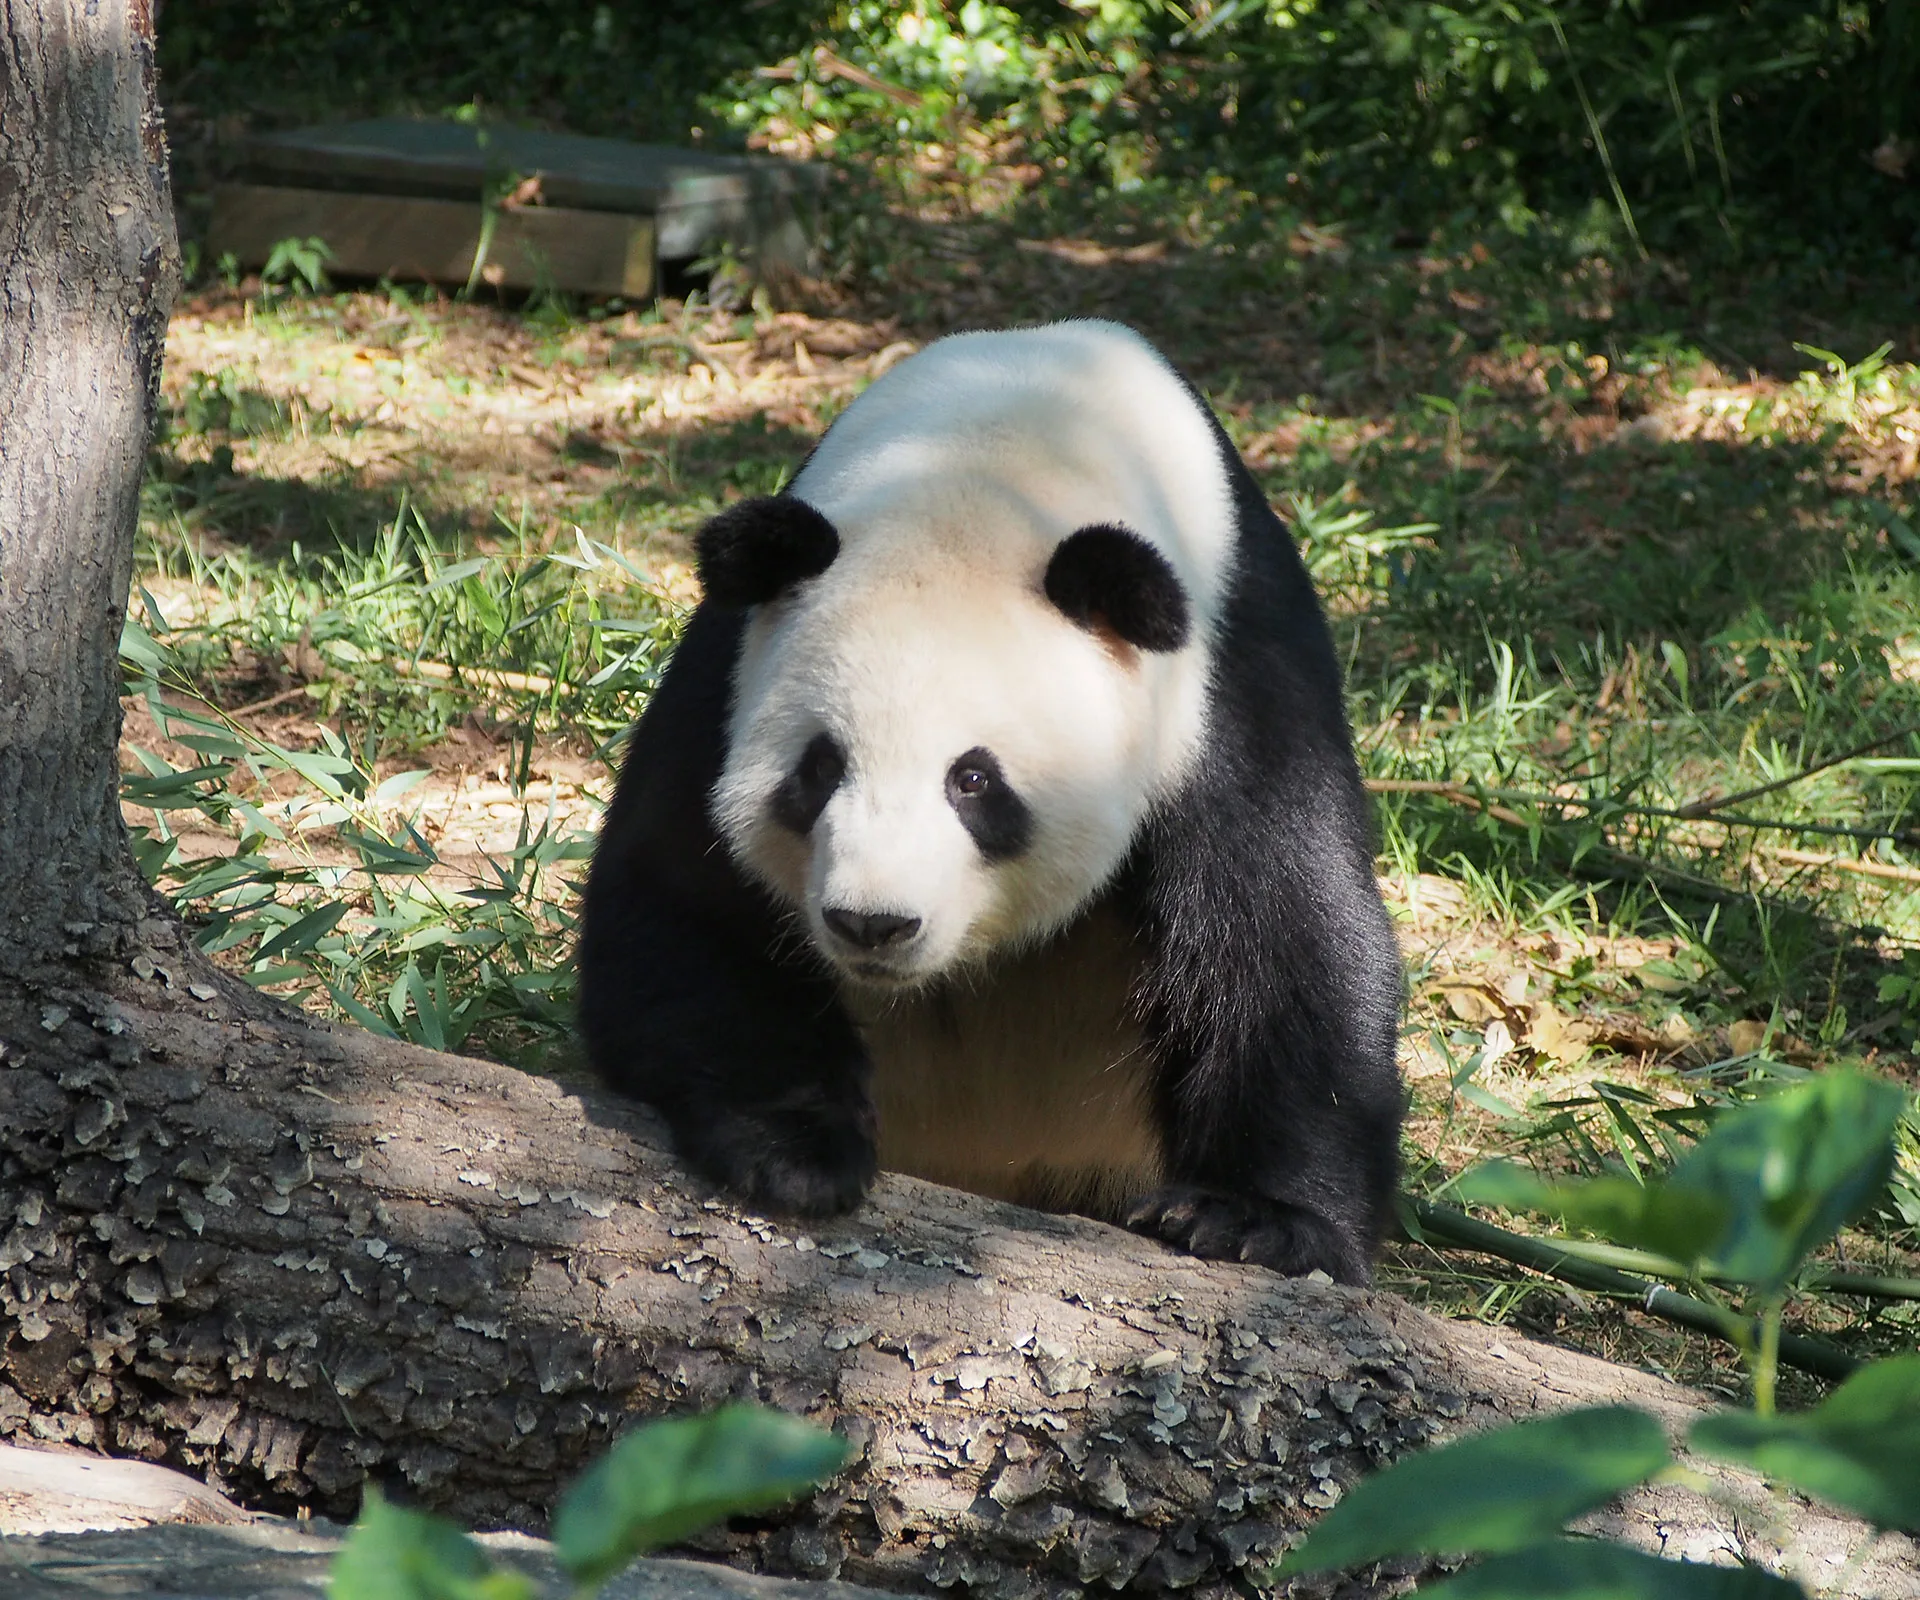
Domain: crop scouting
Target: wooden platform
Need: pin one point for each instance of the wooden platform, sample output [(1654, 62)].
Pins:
[(402, 199)]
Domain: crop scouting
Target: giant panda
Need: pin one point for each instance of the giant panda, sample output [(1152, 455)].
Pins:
[(996, 820)]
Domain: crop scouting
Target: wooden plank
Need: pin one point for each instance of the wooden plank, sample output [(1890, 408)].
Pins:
[(701, 200), (452, 160), (399, 236)]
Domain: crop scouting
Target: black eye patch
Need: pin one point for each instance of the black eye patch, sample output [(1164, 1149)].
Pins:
[(988, 808), (805, 791)]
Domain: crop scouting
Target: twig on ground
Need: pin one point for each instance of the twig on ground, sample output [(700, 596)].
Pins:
[(1468, 794), (1867, 869), (1484, 800), (269, 703), (1709, 804), (475, 677), (1461, 795)]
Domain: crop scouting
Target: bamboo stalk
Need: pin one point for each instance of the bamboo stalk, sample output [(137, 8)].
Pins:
[(1867, 869), (1556, 1261), (477, 677), (1821, 1279)]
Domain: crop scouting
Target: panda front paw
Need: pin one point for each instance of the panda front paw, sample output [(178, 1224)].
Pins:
[(1218, 1225), (813, 1163)]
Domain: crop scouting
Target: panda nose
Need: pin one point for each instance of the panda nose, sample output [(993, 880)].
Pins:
[(869, 930)]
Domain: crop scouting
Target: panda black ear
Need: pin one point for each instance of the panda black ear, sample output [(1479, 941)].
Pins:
[(1109, 579), (755, 551)]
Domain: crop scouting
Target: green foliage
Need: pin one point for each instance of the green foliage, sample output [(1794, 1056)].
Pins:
[(1775, 1179), (1588, 1569), (396, 1553), (1767, 127), (662, 1482), (1497, 1491), (396, 939), (670, 1479), (298, 263), (1859, 1448), (1770, 1183), (1682, 121)]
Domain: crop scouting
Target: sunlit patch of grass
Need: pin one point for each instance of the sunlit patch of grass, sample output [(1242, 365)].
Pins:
[(313, 862)]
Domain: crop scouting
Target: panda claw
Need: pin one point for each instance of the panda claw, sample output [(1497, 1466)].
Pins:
[(1220, 1226), (818, 1168)]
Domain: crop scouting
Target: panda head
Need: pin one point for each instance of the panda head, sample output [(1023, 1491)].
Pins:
[(932, 764), (971, 663)]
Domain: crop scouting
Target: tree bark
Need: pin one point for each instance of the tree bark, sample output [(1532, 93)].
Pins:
[(291, 1257), (87, 274)]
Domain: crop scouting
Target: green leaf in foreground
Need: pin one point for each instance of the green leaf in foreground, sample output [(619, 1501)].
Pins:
[(1577, 1569), (1660, 1217), (1859, 1448), (669, 1479), (1493, 1492), (1797, 1167), (1768, 1184), (397, 1554)]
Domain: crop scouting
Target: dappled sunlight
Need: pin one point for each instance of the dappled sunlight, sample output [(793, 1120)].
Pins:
[(474, 412)]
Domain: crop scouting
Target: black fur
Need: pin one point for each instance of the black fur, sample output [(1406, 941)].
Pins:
[(798, 802), (755, 551), (1274, 989), (693, 993), (1270, 997), (1104, 576)]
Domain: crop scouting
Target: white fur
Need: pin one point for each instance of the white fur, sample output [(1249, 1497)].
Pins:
[(951, 482)]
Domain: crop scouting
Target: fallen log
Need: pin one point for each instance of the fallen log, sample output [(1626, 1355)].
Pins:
[(290, 1257)]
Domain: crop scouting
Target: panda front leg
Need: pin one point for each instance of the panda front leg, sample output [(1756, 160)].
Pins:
[(759, 1074), (694, 994), (1296, 1189), (1272, 999)]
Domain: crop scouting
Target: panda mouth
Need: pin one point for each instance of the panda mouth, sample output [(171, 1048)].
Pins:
[(883, 974)]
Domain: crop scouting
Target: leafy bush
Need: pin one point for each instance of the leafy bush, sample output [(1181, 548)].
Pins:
[(1774, 125), (1768, 1184)]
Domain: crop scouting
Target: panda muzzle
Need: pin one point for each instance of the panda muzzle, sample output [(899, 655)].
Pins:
[(870, 930)]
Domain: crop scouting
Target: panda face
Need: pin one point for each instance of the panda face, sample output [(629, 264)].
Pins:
[(927, 779), (976, 647)]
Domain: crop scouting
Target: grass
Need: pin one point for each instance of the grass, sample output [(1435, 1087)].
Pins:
[(1601, 553)]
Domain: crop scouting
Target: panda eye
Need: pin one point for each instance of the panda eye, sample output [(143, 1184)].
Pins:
[(988, 806), (822, 765), (974, 776), (805, 791)]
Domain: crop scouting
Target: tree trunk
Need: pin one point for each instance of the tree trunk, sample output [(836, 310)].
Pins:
[(87, 274), (290, 1256)]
